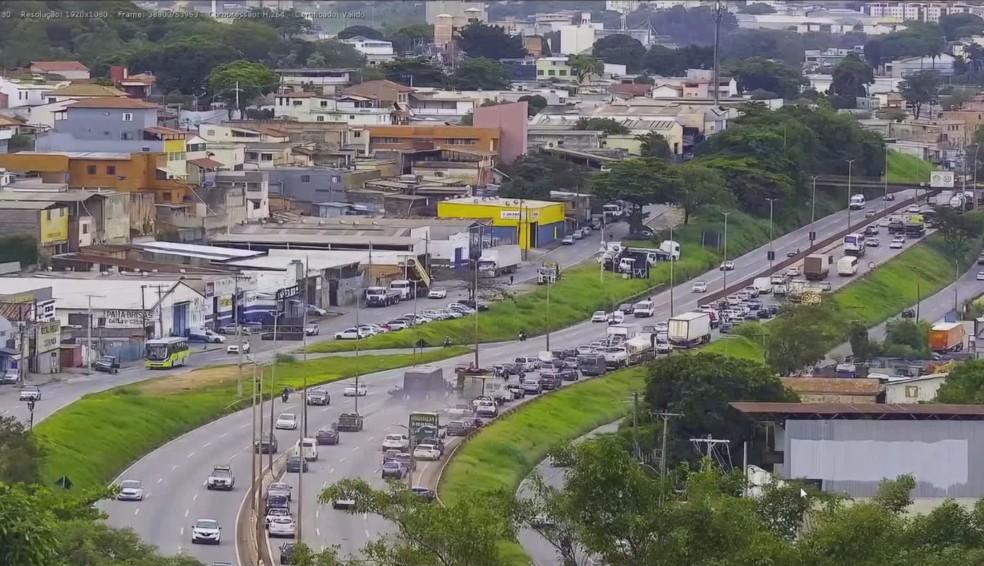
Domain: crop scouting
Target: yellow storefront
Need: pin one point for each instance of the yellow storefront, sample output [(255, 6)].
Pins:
[(530, 223)]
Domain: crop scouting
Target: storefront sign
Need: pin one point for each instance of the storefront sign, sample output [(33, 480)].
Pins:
[(124, 318), (509, 214), (49, 336), (287, 292), (54, 226)]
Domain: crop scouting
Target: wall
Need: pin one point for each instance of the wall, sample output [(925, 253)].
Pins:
[(443, 251), (61, 141), (917, 391), (116, 219), (321, 184), (106, 124), (511, 120), (18, 221), (54, 226)]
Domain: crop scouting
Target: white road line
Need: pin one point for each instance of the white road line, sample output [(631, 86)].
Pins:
[(368, 536), (195, 498), (371, 438), (187, 512), (317, 531), (223, 435), (206, 445), (160, 480), (330, 471), (174, 467), (342, 459), (245, 426), (190, 454), (365, 516), (317, 513), (233, 457), (136, 511), (354, 448)]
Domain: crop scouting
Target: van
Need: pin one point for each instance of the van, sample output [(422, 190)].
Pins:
[(403, 287), (857, 202), (591, 364), (308, 449), (644, 309), (847, 266)]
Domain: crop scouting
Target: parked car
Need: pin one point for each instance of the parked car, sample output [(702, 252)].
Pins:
[(482, 305), (30, 393), (234, 348), (312, 329), (352, 333), (107, 364), (437, 293)]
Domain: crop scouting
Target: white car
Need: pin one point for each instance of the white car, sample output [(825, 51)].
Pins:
[(396, 442), (282, 526), (459, 411), (351, 334), (437, 293), (353, 391), (463, 309), (568, 240), (980, 275), (896, 244), (234, 348), (426, 452), (883, 222), (872, 242), (663, 348), (913, 209), (312, 329), (616, 317), (130, 490), (699, 287), (286, 421), (728, 266), (206, 531), (599, 316), (792, 271)]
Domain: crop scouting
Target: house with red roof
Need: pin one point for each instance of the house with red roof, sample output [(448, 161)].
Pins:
[(71, 70)]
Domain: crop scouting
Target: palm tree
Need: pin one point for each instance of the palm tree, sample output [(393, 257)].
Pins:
[(584, 65)]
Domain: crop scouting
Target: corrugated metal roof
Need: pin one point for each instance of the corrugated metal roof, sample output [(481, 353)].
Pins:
[(877, 411), (26, 205), (833, 385)]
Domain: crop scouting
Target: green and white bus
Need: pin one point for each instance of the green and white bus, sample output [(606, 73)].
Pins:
[(166, 352)]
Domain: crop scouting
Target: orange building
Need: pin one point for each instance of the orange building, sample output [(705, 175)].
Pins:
[(426, 137), (124, 172)]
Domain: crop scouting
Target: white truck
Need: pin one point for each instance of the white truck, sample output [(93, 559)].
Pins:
[(689, 329), (639, 349), (763, 284), (619, 333), (498, 260), (672, 248)]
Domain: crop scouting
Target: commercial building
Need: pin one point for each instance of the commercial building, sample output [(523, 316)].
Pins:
[(375, 50), (417, 137), (851, 448), (529, 223), (94, 217), (29, 331)]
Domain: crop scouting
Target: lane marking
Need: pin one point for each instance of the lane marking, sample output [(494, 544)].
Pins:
[(187, 512), (317, 513), (190, 454), (223, 435), (160, 480), (206, 445), (182, 534), (356, 447), (317, 531), (136, 511), (368, 536), (195, 498), (233, 457), (365, 516), (342, 459), (174, 467), (330, 471)]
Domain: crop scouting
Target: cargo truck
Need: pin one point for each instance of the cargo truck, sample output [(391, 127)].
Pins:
[(763, 284), (381, 297), (689, 329), (639, 349), (498, 260), (815, 267), (947, 337)]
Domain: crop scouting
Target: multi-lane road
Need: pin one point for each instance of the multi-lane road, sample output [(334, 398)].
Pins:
[(174, 474)]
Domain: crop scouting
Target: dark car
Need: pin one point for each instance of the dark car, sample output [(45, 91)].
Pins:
[(287, 553), (460, 428), (296, 464), (267, 445), (754, 305), (326, 436), (511, 368), (482, 305), (394, 469), (567, 374), (626, 308), (726, 327), (764, 314), (642, 234), (108, 364), (773, 310), (423, 493), (318, 396)]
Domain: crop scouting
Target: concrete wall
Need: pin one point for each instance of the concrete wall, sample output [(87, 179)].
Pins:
[(308, 184), (512, 123), (106, 123)]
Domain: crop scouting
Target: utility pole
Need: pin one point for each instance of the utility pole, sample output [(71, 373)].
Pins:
[(635, 426), (666, 416), (850, 169), (256, 452), (672, 261), (548, 312), (88, 335), (720, 8), (772, 253), (273, 377), (475, 314), (304, 341), (725, 271), (239, 337), (813, 209), (160, 309)]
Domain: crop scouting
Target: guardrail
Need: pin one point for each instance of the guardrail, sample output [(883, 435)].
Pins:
[(783, 264), (252, 545)]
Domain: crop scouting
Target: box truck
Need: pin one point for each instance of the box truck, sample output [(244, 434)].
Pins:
[(815, 267), (498, 260), (689, 329), (947, 337)]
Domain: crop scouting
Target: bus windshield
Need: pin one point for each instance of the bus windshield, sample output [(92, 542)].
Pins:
[(157, 352)]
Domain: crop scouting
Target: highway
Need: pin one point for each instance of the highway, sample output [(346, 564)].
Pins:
[(174, 473)]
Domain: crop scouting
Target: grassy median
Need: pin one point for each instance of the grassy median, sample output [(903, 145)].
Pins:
[(96, 437)]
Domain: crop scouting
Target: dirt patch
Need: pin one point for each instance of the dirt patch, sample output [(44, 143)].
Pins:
[(196, 379)]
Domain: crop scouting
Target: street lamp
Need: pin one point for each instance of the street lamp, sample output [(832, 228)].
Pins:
[(672, 261), (549, 280), (772, 253), (850, 167), (813, 210), (725, 271), (88, 334)]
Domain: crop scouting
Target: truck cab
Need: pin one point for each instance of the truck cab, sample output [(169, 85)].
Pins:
[(403, 287)]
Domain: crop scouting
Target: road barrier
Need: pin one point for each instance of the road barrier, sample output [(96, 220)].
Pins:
[(252, 544)]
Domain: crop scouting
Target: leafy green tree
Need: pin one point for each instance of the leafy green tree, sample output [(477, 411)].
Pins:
[(917, 40), (290, 23), (418, 71), (762, 74), (534, 103), (701, 387), (608, 126), (480, 74), (957, 26), (850, 78), (20, 455), (638, 181), (906, 338), (692, 26), (798, 338), (920, 88), (334, 54), (958, 230), (862, 348), (459, 533), (668, 62), (653, 144), (620, 49), (699, 186), (360, 30), (965, 384), (491, 42), (249, 79), (182, 65), (756, 8), (584, 65), (410, 39), (534, 175), (751, 180)]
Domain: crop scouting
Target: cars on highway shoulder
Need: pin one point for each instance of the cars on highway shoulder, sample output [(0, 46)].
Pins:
[(206, 531), (437, 293)]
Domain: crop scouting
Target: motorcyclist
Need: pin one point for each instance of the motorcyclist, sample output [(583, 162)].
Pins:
[(522, 336), (447, 341), (285, 394)]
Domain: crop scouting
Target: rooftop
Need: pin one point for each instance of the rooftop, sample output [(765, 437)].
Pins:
[(833, 385), (108, 292), (866, 411), (84, 89), (501, 203), (109, 102), (50, 66), (50, 195), (102, 155)]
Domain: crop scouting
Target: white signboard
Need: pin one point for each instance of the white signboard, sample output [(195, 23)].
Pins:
[(509, 214), (941, 179)]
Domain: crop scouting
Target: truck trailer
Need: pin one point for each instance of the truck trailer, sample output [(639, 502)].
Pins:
[(947, 337), (815, 267), (689, 329), (498, 260)]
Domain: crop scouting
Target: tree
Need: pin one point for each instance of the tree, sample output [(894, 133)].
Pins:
[(412, 38), (667, 62), (608, 126), (758, 73), (957, 26), (850, 78), (290, 23), (964, 384), (907, 339), (480, 74), (182, 65), (583, 66), (359, 30), (465, 532), (917, 40), (692, 26), (699, 186), (243, 81), (756, 8), (418, 71), (957, 229), (620, 49), (638, 181), (798, 338), (534, 103), (534, 175), (861, 346), (654, 145), (491, 42), (334, 54), (701, 388), (20, 455)]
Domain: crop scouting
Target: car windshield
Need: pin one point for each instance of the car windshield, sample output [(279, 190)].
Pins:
[(426, 447), (206, 524), (130, 484), (391, 464), (393, 437), (287, 417)]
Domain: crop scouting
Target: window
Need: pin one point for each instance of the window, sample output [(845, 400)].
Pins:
[(551, 72), (324, 104), (210, 133), (85, 228), (51, 100), (321, 118), (539, 72), (911, 391), (125, 136), (336, 179), (563, 72), (110, 169), (166, 196), (351, 116), (127, 117), (297, 102), (357, 134), (91, 169), (266, 157), (305, 178)]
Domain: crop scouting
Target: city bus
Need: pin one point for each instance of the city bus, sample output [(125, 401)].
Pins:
[(166, 352)]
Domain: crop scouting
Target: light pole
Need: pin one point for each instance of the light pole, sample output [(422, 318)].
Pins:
[(885, 196), (273, 378), (977, 148), (549, 279), (772, 253), (672, 261), (725, 271), (850, 167), (88, 335), (813, 210)]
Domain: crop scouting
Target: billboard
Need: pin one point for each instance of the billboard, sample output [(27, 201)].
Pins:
[(941, 179), (422, 425), (54, 226)]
